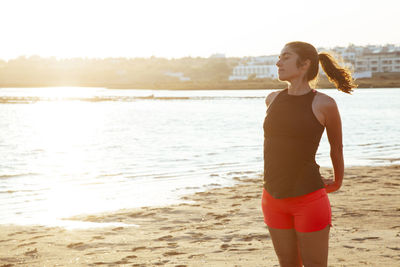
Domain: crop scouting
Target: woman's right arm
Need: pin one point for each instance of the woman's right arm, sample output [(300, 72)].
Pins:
[(333, 126)]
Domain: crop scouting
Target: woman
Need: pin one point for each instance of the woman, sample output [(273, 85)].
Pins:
[(294, 201)]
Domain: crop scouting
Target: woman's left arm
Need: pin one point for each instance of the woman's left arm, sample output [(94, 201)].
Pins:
[(333, 126)]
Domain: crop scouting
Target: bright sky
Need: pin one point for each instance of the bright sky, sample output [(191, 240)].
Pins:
[(179, 28)]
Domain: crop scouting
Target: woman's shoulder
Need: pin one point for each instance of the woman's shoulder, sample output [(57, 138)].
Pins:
[(325, 101), (271, 96)]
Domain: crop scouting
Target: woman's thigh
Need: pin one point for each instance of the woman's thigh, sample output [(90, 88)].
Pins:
[(314, 247), (286, 246)]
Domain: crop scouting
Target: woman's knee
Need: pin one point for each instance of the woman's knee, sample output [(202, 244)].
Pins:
[(315, 264), (290, 263)]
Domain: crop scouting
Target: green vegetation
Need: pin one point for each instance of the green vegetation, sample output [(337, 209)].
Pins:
[(147, 73)]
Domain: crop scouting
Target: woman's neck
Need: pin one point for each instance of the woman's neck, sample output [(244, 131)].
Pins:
[(298, 87)]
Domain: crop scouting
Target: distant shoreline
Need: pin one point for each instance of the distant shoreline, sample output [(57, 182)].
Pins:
[(381, 82)]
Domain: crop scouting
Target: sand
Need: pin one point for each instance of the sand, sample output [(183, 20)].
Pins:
[(219, 227)]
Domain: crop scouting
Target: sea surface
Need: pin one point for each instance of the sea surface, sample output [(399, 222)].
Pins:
[(70, 150)]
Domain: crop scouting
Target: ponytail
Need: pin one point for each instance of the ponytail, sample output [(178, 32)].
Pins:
[(340, 76)]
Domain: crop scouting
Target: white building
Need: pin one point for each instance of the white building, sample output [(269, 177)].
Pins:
[(349, 56), (363, 74), (217, 55), (379, 62), (371, 58), (177, 75), (242, 72), (262, 67)]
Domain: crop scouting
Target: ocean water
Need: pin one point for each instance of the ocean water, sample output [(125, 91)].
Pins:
[(69, 151)]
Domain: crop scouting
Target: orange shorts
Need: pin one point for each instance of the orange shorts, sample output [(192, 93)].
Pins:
[(307, 213)]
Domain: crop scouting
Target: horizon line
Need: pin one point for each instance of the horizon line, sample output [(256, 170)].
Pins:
[(172, 57)]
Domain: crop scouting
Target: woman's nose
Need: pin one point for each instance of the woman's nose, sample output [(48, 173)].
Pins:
[(278, 63)]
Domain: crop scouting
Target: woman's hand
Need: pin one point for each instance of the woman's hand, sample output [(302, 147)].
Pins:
[(331, 185)]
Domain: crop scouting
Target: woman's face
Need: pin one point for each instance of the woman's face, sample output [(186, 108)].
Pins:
[(287, 68)]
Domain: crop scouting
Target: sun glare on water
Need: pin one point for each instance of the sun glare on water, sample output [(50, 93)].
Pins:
[(65, 133)]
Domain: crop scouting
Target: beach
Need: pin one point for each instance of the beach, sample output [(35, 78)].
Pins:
[(219, 227)]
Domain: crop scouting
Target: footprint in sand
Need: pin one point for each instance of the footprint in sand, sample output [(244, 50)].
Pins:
[(32, 252), (138, 248), (163, 238), (91, 253), (135, 214), (123, 261), (195, 255), (172, 245), (172, 253), (202, 227), (78, 246), (365, 238), (131, 257), (160, 262), (99, 263), (225, 246), (149, 214), (243, 249), (166, 228), (363, 249), (115, 263), (227, 239), (258, 237), (26, 244), (396, 248), (353, 214), (217, 216), (39, 236), (97, 237), (16, 233)]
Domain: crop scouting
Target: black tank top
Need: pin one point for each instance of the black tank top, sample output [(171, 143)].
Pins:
[(291, 138)]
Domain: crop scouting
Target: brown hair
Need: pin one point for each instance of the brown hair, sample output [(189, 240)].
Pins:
[(339, 76)]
